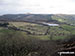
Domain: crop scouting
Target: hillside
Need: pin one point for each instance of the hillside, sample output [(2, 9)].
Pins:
[(26, 17), (32, 34), (69, 19), (56, 18)]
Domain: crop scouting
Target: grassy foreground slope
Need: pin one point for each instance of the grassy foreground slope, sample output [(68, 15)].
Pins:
[(16, 43)]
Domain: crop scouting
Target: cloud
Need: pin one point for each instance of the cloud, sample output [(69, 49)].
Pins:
[(37, 6)]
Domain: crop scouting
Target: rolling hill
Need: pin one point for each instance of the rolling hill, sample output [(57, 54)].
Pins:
[(56, 18)]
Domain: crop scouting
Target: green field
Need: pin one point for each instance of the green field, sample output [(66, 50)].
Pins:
[(42, 40), (38, 31)]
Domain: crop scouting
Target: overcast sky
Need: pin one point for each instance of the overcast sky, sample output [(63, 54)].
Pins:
[(37, 6)]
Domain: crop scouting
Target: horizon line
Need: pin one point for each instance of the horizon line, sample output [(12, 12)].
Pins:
[(38, 13)]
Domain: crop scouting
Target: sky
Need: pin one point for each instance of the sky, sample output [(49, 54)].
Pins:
[(37, 6)]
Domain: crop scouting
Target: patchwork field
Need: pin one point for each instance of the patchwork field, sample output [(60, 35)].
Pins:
[(15, 40), (45, 32)]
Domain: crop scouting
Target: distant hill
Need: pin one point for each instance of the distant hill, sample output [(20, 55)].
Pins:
[(69, 19), (62, 18)]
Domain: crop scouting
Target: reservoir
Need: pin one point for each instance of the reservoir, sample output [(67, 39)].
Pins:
[(50, 24)]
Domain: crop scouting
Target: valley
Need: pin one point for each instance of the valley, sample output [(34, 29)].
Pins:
[(36, 35)]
